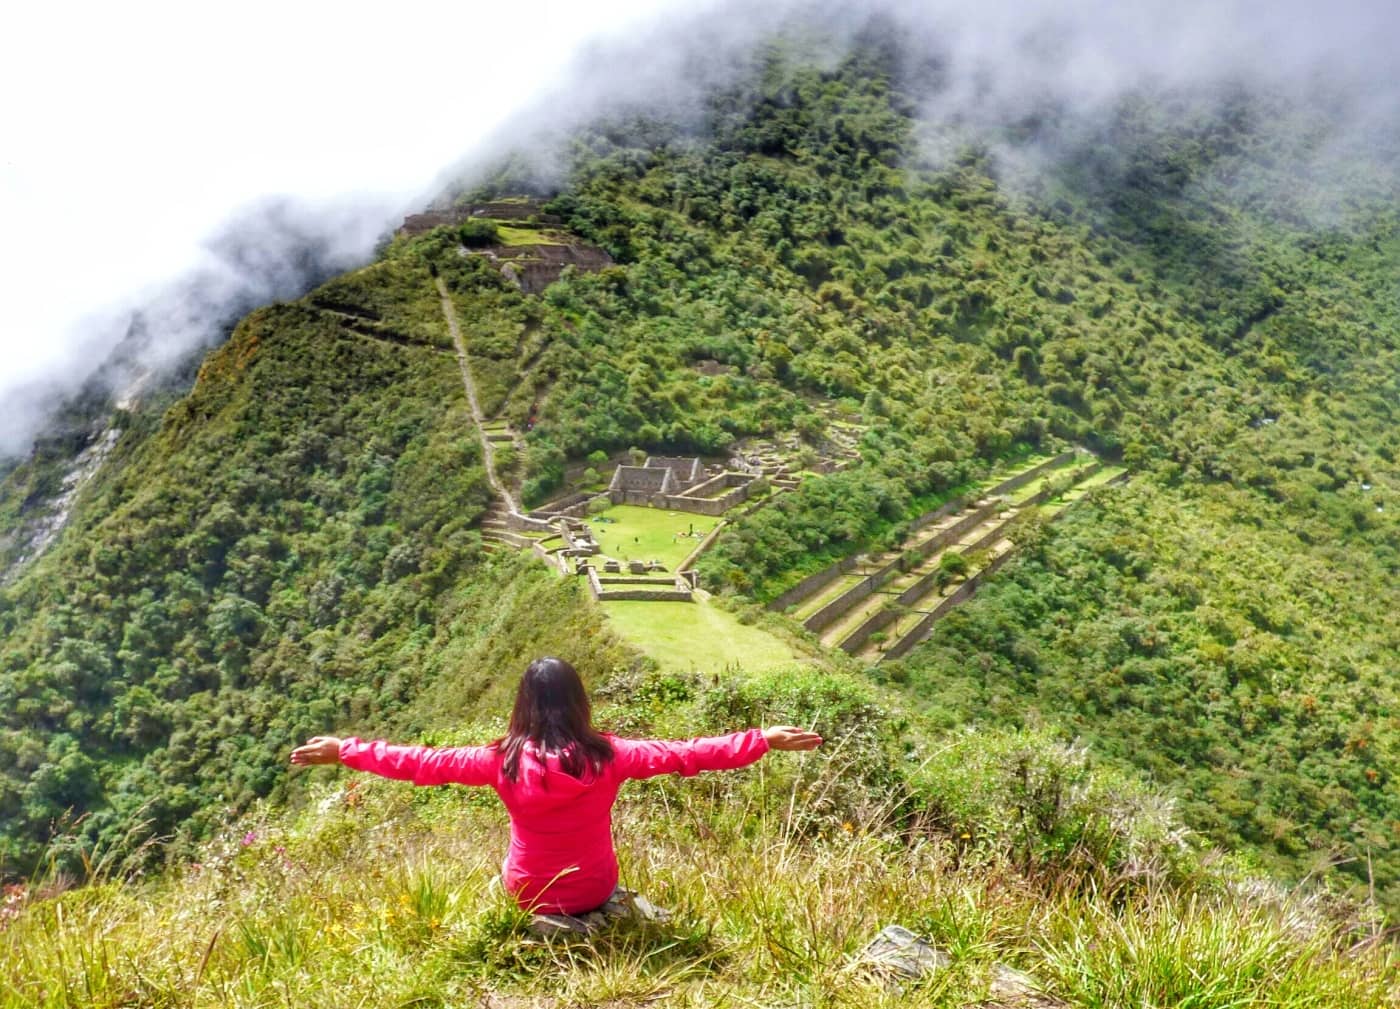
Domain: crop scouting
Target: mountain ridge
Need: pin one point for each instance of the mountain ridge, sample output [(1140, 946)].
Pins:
[(295, 547)]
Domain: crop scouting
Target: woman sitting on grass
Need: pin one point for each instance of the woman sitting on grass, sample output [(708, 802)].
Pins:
[(558, 777)]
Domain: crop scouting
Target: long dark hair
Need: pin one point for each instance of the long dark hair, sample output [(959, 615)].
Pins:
[(552, 712)]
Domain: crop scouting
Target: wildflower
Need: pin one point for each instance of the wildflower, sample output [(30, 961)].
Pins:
[(15, 895), (249, 838)]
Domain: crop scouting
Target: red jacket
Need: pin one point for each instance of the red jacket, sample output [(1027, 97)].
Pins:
[(561, 851)]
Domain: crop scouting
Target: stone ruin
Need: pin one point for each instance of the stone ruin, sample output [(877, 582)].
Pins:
[(529, 266), (498, 210), (680, 484), (685, 473)]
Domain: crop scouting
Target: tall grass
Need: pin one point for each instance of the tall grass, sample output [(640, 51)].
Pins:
[(387, 901)]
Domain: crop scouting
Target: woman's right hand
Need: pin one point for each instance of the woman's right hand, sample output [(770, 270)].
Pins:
[(790, 737), (318, 750)]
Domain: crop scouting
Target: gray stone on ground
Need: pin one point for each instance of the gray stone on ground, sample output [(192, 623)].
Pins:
[(1014, 989), (898, 955), (622, 905)]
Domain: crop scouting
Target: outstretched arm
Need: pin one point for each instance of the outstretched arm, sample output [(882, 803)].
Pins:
[(790, 737), (646, 758), (318, 750), (422, 765)]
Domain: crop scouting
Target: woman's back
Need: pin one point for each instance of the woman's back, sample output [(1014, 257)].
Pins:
[(558, 777), (561, 855)]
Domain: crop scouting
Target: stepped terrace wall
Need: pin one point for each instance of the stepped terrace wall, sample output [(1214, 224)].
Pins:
[(637, 588), (1021, 479), (833, 610), (1046, 493), (964, 591), (881, 619), (814, 583)]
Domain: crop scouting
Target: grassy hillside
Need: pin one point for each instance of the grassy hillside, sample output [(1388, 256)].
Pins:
[(293, 548), (1004, 850)]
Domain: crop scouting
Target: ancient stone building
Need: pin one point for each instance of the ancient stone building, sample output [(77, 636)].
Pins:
[(685, 472)]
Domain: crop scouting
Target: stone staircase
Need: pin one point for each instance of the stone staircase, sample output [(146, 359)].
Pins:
[(777, 472), (496, 531)]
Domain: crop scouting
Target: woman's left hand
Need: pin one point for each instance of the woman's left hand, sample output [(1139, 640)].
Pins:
[(318, 750), (791, 737)]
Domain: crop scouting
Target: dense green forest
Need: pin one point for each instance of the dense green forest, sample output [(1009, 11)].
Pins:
[(291, 547)]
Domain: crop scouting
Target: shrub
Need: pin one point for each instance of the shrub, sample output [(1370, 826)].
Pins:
[(1040, 802), (476, 234)]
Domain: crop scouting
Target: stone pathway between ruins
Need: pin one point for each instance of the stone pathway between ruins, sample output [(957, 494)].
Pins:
[(449, 312), (856, 610)]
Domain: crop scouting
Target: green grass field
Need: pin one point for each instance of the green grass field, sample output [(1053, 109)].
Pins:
[(644, 534), (696, 636), (525, 236)]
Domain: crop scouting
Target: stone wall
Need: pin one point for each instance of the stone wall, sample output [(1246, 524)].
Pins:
[(714, 483), (939, 540), (651, 595), (607, 580), (685, 471), (637, 588), (500, 210), (573, 504), (877, 621), (686, 567), (517, 522), (1021, 479), (856, 640), (833, 610), (948, 507), (813, 584), (641, 480), (920, 630), (684, 503)]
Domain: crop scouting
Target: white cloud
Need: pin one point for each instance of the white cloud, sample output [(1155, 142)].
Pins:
[(129, 132)]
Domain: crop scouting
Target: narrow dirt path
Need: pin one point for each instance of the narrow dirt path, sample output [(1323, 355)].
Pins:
[(449, 312)]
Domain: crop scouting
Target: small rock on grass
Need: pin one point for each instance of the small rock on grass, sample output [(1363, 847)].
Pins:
[(898, 955)]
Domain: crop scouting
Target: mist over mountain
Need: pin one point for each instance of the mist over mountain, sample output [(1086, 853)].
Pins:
[(146, 140), (893, 261), (1036, 85)]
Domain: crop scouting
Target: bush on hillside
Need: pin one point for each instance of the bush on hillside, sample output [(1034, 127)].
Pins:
[(476, 234), (1028, 797)]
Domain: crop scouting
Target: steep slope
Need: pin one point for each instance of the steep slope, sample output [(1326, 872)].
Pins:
[(295, 550)]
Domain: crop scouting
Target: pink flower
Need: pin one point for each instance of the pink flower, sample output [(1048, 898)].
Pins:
[(249, 838)]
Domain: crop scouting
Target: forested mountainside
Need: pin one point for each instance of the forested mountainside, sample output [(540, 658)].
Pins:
[(294, 546)]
